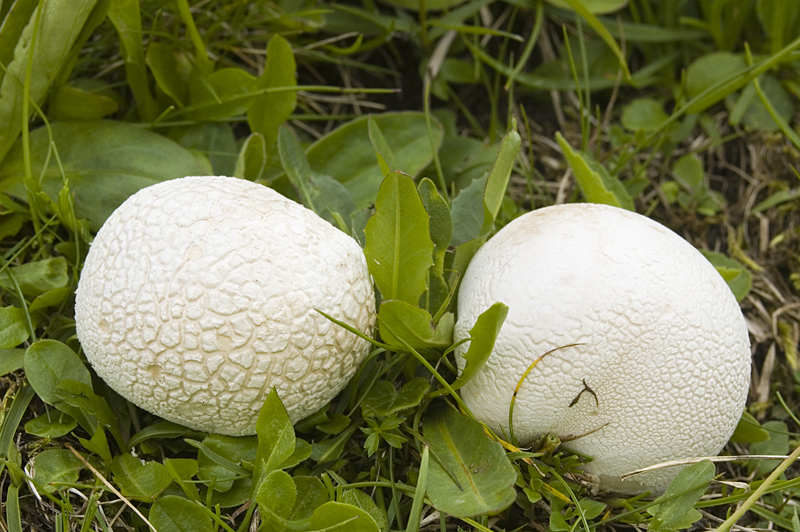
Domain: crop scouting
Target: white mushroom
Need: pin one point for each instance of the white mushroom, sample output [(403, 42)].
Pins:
[(198, 296), (663, 366)]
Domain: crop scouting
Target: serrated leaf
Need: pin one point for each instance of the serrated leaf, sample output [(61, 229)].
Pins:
[(398, 244), (482, 338), (485, 476)]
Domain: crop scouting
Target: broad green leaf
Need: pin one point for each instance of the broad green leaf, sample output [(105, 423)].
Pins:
[(105, 163), (15, 21), (689, 170), (60, 28), (142, 481), (311, 494), (751, 111), (252, 159), (738, 277), (176, 514), (219, 459), (359, 499), (181, 470), (497, 182), (748, 430), (13, 327), (270, 110), (276, 439), (51, 298), (165, 62), (710, 69), (47, 363), (98, 444), (51, 424), (278, 493), (11, 360), (127, 20), (595, 183), (644, 114), (80, 396), (339, 517), (215, 141), (484, 474), (383, 399), (330, 450), (594, 6), (302, 450), (398, 244), (37, 278), (469, 212), (412, 324), (56, 466), (222, 94), (440, 223), (677, 509), (336, 424), (482, 338), (347, 155), (76, 103)]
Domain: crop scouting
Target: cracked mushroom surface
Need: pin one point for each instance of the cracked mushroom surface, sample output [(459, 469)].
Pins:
[(663, 368), (198, 296)]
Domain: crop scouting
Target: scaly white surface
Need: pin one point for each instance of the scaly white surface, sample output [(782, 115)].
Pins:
[(199, 294), (666, 348)]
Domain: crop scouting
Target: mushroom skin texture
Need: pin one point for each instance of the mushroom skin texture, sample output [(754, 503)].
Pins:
[(664, 366), (198, 296)]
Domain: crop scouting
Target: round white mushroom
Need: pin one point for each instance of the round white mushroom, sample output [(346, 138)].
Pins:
[(663, 366), (199, 295)]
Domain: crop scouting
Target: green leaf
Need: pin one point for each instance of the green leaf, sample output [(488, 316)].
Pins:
[(51, 424), (361, 500), (222, 94), (311, 494), (47, 363), (739, 278), (675, 509), (252, 159), (270, 110), (56, 466), (181, 470), (219, 459), (440, 222), (412, 324), (398, 244), (127, 20), (339, 517), (777, 444), (644, 114), (176, 514), (383, 399), (497, 182), (470, 215), (595, 6), (37, 278), (13, 327), (276, 439), (105, 163), (60, 28), (11, 360), (430, 5), (482, 338), (216, 142), (710, 69), (689, 169), (166, 63), (595, 183), (278, 493), (748, 430), (485, 476), (80, 396), (382, 149), (139, 480), (76, 103), (347, 155)]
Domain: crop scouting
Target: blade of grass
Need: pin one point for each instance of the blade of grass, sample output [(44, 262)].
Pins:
[(419, 495), (603, 32)]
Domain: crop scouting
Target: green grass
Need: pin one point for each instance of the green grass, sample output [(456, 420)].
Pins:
[(686, 111)]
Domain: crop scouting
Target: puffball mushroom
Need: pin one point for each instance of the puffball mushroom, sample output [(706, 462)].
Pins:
[(662, 368), (199, 295)]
